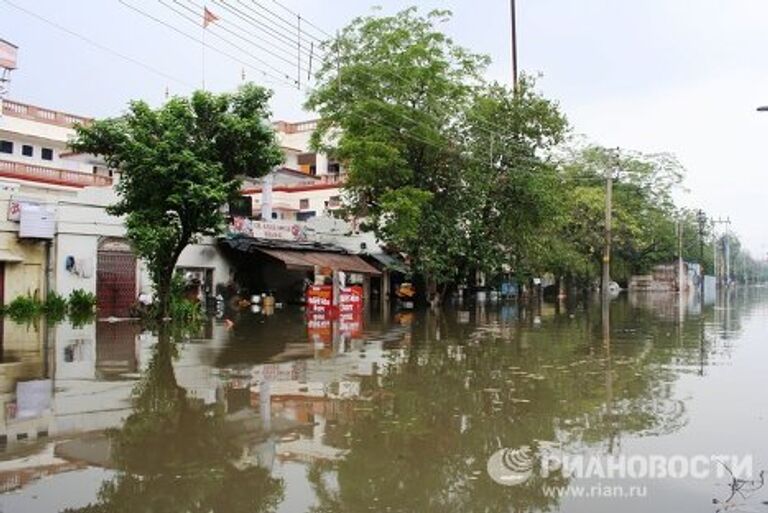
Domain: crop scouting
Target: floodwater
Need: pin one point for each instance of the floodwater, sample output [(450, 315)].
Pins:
[(396, 412)]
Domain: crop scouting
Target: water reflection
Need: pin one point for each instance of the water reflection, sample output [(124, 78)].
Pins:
[(174, 453), (398, 413)]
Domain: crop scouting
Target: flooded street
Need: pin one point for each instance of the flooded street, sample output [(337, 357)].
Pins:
[(400, 413)]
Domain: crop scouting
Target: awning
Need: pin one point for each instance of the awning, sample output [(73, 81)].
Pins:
[(6, 255), (390, 263), (309, 259)]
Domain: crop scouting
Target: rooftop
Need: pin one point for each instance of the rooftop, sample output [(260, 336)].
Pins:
[(34, 113)]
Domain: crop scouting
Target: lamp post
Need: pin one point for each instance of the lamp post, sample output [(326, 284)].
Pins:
[(762, 108)]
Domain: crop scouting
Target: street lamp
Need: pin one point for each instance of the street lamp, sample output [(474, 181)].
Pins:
[(763, 108)]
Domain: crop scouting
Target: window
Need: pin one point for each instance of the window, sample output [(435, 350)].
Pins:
[(46, 154), (303, 216), (27, 150), (6, 147), (334, 168), (334, 201), (304, 204), (307, 163)]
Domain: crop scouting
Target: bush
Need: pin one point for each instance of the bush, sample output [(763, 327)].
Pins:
[(55, 306), (81, 302), (23, 307)]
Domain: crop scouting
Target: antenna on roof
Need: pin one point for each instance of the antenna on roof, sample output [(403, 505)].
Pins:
[(8, 53)]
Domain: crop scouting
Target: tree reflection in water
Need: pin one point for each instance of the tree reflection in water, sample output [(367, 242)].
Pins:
[(174, 454), (441, 411)]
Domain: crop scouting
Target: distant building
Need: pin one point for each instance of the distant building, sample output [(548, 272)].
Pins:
[(666, 278), (307, 185)]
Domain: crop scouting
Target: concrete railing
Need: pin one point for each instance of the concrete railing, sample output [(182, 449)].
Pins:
[(292, 128), (51, 175), (41, 115), (333, 178)]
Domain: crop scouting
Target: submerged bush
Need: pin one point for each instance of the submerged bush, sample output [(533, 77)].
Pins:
[(81, 302), (55, 306), (24, 307)]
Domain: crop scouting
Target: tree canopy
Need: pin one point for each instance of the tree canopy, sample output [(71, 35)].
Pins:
[(178, 165), (445, 168)]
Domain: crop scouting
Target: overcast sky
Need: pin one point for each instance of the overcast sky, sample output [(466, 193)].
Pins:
[(651, 75)]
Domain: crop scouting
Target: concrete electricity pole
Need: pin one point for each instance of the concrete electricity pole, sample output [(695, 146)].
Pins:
[(701, 218), (680, 281), (726, 264), (608, 217)]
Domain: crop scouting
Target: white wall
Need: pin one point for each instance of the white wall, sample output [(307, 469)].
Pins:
[(207, 255)]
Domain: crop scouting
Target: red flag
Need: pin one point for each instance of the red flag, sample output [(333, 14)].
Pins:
[(208, 17)]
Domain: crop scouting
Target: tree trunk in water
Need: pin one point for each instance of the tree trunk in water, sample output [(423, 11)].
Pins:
[(164, 296)]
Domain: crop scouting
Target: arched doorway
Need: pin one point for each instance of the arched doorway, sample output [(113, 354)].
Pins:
[(115, 278)]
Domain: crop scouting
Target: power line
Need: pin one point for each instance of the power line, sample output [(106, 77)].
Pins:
[(494, 127), (98, 45), (250, 34), (289, 11), (276, 33), (483, 124), (283, 79), (398, 129), (239, 36), (196, 22)]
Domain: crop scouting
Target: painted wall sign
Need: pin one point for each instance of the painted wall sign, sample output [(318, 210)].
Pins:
[(273, 230)]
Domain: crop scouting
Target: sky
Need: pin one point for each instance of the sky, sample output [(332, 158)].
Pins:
[(658, 75)]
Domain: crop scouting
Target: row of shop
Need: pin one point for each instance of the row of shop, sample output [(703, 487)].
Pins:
[(85, 248)]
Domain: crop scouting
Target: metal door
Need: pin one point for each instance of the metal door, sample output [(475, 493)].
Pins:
[(115, 283)]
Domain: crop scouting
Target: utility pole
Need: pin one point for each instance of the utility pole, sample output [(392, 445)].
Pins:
[(727, 253), (701, 218), (726, 264), (513, 20), (680, 281), (608, 217)]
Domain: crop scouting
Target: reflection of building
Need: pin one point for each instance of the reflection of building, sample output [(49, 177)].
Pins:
[(25, 393)]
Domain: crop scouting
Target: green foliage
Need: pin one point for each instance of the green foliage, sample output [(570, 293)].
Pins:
[(24, 308), (79, 306), (408, 113), (55, 306), (182, 310), (81, 302), (179, 163), (644, 214)]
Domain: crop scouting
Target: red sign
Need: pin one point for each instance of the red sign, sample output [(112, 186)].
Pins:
[(319, 298), (350, 299)]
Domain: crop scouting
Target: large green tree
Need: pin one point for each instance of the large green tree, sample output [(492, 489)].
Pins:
[(644, 214), (408, 112), (178, 165), (512, 188)]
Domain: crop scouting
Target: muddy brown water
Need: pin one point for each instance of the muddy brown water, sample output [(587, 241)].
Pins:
[(395, 412)]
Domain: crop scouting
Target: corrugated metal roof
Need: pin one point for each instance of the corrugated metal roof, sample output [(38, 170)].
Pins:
[(309, 259), (391, 263)]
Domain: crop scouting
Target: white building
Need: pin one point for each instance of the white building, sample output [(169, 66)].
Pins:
[(309, 183), (74, 243)]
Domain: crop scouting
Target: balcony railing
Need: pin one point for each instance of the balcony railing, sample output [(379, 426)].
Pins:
[(41, 115), (292, 128), (333, 178), (51, 175)]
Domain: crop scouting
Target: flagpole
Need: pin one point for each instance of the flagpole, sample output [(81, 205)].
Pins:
[(204, 56)]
